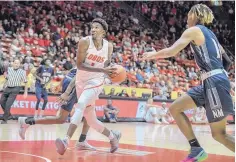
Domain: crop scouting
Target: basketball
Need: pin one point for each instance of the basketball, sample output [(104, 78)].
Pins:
[(120, 76)]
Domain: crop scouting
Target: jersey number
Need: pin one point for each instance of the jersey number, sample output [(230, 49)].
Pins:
[(45, 79)]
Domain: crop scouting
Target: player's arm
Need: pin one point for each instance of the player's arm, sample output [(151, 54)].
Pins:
[(188, 36), (225, 58), (110, 50), (50, 78), (35, 74), (65, 96), (70, 86)]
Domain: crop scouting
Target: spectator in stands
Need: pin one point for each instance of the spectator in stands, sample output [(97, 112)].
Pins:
[(111, 112), (192, 73), (133, 93), (139, 76), (194, 82), (66, 33), (14, 49), (37, 52), (160, 96), (163, 87), (123, 93), (112, 92), (52, 48)]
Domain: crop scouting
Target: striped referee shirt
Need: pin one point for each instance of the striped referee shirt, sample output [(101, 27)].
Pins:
[(15, 77)]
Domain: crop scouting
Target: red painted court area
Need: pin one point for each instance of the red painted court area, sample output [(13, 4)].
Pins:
[(44, 151)]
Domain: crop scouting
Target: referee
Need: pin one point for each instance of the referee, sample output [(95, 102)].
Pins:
[(14, 79)]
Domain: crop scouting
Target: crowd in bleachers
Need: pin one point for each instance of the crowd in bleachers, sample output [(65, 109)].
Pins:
[(33, 31)]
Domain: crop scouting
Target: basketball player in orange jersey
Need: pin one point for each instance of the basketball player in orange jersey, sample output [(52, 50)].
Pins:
[(93, 57)]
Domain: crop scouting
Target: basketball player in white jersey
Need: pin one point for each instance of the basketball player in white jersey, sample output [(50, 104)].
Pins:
[(93, 57)]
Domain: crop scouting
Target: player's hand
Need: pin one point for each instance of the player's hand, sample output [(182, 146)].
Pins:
[(110, 70), (55, 89), (148, 56), (63, 98), (42, 81)]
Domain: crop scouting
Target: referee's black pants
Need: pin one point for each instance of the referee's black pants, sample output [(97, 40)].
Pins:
[(7, 99)]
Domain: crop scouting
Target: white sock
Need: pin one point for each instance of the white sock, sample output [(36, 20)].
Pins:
[(41, 112), (24, 121), (36, 113), (67, 139), (111, 136)]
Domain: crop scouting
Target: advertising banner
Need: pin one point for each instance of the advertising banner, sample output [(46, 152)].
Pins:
[(128, 108)]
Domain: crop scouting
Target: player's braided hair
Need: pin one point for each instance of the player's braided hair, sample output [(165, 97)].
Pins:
[(102, 22), (203, 13)]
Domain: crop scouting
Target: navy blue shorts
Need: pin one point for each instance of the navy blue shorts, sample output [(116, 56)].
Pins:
[(215, 96), (41, 92), (72, 99)]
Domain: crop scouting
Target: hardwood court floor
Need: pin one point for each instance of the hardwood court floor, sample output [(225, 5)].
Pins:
[(140, 142)]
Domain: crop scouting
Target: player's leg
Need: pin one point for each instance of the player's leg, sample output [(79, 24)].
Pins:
[(177, 109), (113, 136), (82, 143), (190, 100), (58, 119), (218, 106), (218, 130), (45, 101), (85, 97), (25, 122), (38, 93)]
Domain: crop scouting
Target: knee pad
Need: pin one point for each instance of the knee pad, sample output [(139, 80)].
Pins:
[(77, 116)]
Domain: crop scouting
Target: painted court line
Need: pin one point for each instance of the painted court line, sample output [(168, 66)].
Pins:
[(41, 157), (119, 151)]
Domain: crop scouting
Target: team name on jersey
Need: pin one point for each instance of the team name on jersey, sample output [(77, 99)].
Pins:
[(96, 58), (46, 74)]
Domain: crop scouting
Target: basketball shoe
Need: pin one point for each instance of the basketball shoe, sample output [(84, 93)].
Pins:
[(23, 126), (197, 154)]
